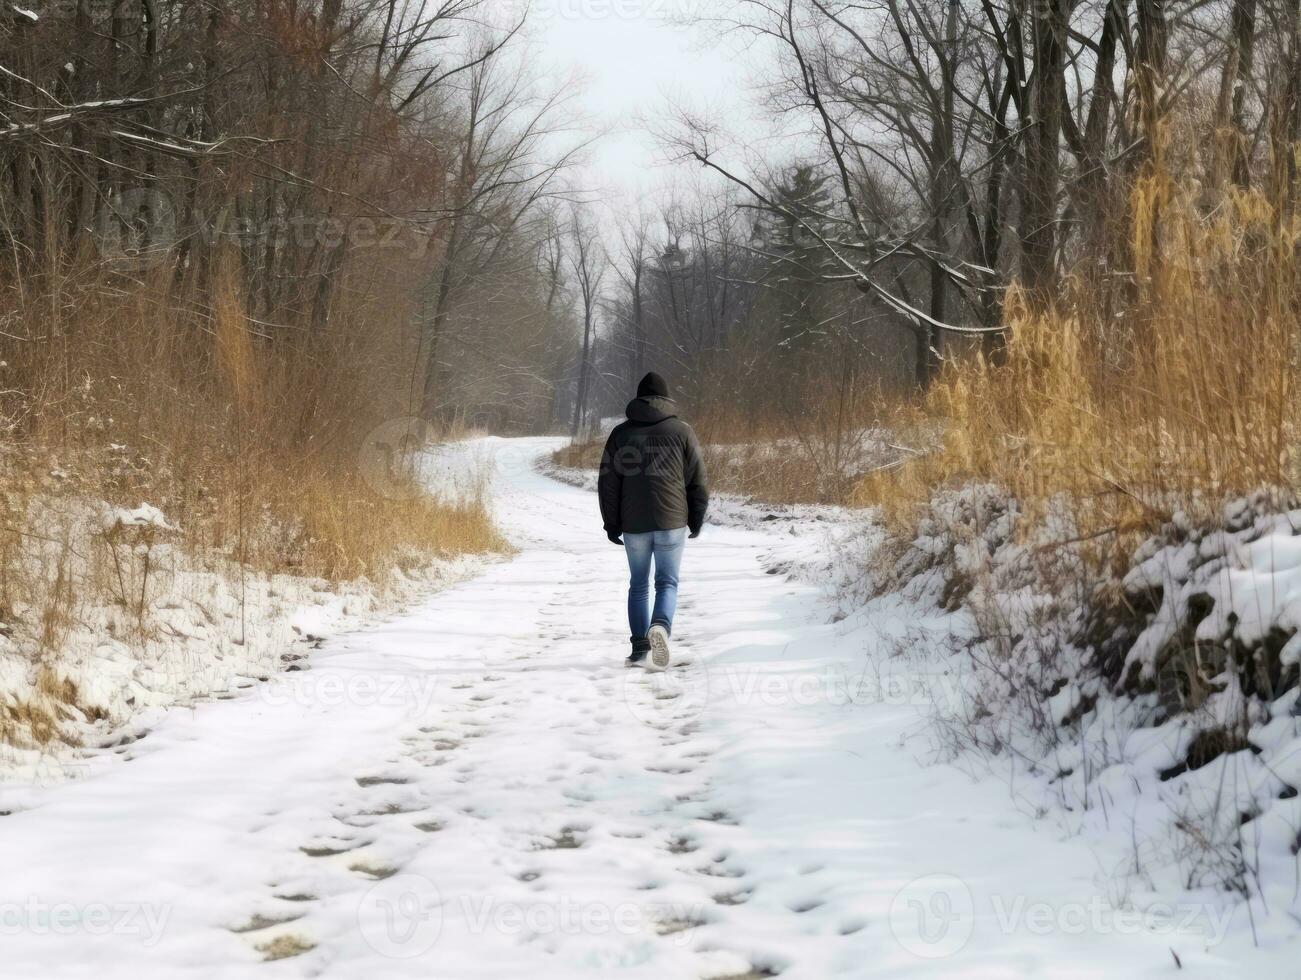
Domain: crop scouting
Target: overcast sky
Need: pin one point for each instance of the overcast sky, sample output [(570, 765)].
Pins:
[(635, 56)]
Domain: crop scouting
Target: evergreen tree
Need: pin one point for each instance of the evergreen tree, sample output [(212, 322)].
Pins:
[(797, 256)]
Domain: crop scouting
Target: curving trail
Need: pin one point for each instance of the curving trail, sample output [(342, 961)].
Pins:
[(480, 789)]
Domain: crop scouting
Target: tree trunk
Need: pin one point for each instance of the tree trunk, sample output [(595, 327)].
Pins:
[(1237, 70), (1095, 184), (1149, 64), (1042, 163), (580, 396)]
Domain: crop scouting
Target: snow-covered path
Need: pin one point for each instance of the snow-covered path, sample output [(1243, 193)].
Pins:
[(480, 789)]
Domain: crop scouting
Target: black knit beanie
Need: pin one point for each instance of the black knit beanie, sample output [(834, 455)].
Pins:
[(652, 384)]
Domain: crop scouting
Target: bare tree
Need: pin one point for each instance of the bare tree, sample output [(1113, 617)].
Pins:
[(632, 270), (503, 173), (589, 263)]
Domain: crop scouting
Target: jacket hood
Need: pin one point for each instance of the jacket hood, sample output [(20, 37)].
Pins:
[(655, 408)]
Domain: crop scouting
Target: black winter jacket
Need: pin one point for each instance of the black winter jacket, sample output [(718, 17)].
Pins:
[(652, 477)]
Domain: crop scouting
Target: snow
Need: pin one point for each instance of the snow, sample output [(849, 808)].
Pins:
[(207, 631), (478, 788), (146, 515)]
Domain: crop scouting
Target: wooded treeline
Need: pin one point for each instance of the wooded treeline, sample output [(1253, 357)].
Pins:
[(367, 187), (378, 188), (942, 150)]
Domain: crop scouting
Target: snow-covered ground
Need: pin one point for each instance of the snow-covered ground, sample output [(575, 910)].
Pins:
[(480, 789), (176, 628)]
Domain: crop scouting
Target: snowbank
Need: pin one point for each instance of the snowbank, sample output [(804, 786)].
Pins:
[(1156, 714), (140, 625)]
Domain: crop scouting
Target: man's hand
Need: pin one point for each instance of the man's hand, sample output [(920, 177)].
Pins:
[(614, 538), (694, 534)]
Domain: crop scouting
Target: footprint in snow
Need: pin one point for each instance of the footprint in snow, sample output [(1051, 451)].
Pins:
[(284, 947), (670, 770), (390, 809), (799, 908), (365, 781), (720, 871), (125, 739), (375, 872), (734, 898), (258, 922), (331, 850), (672, 925), (564, 841), (719, 816)]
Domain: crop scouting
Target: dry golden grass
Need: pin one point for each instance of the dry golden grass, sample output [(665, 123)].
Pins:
[(807, 459), (753, 470), (255, 448), (783, 473), (1172, 393), (1132, 397), (584, 455), (349, 531)]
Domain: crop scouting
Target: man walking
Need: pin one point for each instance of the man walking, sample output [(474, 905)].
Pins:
[(652, 490)]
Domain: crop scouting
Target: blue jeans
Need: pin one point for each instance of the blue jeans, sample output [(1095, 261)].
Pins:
[(665, 547)]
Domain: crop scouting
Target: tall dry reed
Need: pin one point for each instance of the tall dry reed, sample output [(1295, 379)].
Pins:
[(1168, 389), (253, 440)]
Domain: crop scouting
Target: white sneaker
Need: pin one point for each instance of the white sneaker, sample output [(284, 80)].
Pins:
[(659, 641)]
